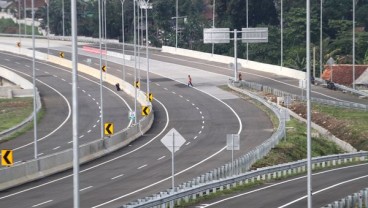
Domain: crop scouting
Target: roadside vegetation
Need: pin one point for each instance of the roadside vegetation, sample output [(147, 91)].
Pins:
[(7, 26)]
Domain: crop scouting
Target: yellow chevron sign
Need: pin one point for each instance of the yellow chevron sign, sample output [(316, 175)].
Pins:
[(145, 110), (18, 44), (61, 54), (150, 97), (104, 68), (137, 84), (109, 128), (7, 157)]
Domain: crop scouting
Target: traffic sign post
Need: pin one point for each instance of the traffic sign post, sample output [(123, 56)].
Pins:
[(232, 143), (18, 44), (109, 128), (61, 54), (173, 141), (222, 35), (131, 115), (103, 68), (7, 157), (136, 84), (150, 97)]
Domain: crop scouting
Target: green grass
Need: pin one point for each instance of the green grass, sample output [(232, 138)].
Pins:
[(294, 147), (13, 111)]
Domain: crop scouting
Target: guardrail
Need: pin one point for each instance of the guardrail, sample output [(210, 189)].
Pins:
[(357, 199), (219, 176), (280, 93)]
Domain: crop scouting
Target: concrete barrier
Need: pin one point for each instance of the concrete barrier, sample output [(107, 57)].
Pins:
[(288, 72)]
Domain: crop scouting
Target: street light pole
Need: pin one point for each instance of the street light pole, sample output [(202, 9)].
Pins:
[(309, 142), (101, 82), (213, 23), (282, 35), (354, 2), (123, 35), (62, 2), (147, 55), (135, 62), (34, 85), (18, 21), (25, 16), (247, 25), (176, 23), (48, 28), (320, 42)]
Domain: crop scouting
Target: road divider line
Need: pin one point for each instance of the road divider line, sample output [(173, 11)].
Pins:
[(113, 178), (161, 158), (42, 203), (142, 166), (86, 188), (56, 148)]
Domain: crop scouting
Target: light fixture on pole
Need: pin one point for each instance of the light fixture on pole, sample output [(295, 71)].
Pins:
[(101, 78), (147, 6), (247, 25), (48, 28), (354, 2), (25, 17), (320, 42), (176, 25), (282, 35), (62, 2), (135, 61), (18, 21)]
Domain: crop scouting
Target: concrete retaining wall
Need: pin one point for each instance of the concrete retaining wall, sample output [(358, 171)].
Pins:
[(288, 72)]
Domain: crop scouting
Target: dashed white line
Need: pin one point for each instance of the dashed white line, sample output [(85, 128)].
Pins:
[(97, 64), (193, 104), (63, 80), (173, 93), (89, 95), (99, 107), (42, 203), (200, 132), (40, 154), (81, 136), (17, 162), (117, 177), (97, 103), (187, 143), (181, 96), (94, 126), (202, 127), (55, 76), (89, 131), (188, 100), (203, 122), (6, 59), (202, 117), (70, 142), (56, 148), (86, 188), (27, 66), (118, 70), (195, 137), (84, 91), (38, 69), (165, 88), (46, 72), (142, 166), (129, 74), (93, 99), (197, 108), (161, 158), (17, 62), (98, 121), (200, 112)]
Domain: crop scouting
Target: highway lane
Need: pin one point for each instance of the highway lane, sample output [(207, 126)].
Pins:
[(182, 103), (292, 192), (283, 83), (56, 121)]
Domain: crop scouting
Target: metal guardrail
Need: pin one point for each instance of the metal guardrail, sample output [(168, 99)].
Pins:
[(219, 175), (358, 199), (280, 93)]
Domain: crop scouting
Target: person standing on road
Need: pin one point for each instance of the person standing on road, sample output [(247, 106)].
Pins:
[(190, 81)]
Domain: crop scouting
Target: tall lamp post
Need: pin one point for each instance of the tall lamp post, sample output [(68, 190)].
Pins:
[(148, 6), (320, 42), (48, 28), (354, 2), (176, 25), (123, 35), (25, 16), (309, 142), (101, 82), (282, 35), (34, 85), (247, 25), (213, 23), (62, 2)]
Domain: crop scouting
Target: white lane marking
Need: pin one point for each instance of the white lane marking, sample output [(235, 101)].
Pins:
[(27, 66), (187, 143), (200, 132), (202, 121), (202, 117), (142, 166), (40, 154), (180, 96), (99, 107), (283, 182), (6, 59), (97, 103), (161, 158), (202, 127), (86, 188), (195, 137), (200, 112), (55, 76), (98, 121), (188, 100), (17, 162), (17, 62), (118, 70), (193, 104), (70, 83), (324, 189), (46, 72), (56, 148), (81, 136), (70, 142), (157, 84), (94, 126), (89, 95), (84, 91), (173, 93), (37, 69), (42, 203), (129, 73), (197, 108), (165, 88), (93, 99), (89, 131), (117, 177), (63, 80)]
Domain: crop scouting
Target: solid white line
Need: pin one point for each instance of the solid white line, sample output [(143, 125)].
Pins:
[(117, 176), (86, 188), (17, 162), (42, 203), (56, 148), (142, 166), (161, 158)]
